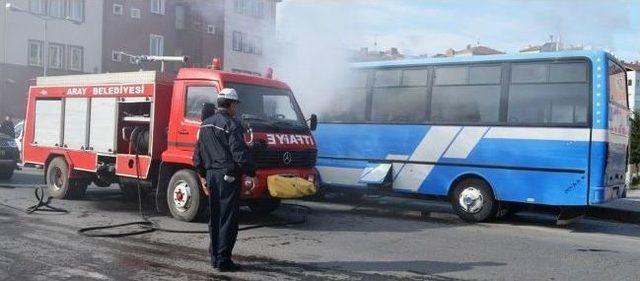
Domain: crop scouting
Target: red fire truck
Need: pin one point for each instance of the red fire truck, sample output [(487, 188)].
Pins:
[(138, 129)]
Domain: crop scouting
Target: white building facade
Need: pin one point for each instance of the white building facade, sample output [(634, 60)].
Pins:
[(249, 34), (633, 85), (74, 44)]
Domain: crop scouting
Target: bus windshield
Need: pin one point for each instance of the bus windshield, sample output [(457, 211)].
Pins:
[(269, 104)]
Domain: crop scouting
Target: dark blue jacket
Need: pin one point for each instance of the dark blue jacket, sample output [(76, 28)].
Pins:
[(221, 146)]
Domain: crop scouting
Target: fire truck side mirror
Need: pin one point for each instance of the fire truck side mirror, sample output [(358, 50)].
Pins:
[(313, 122)]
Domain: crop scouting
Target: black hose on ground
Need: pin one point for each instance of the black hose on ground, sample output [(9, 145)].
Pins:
[(39, 193), (40, 206), (148, 226)]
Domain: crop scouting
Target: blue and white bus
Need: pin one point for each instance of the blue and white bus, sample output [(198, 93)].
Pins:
[(546, 128)]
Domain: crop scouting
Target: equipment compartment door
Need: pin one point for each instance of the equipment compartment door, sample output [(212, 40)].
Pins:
[(102, 132), (75, 123), (48, 122)]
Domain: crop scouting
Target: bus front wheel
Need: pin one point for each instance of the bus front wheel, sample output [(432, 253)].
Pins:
[(473, 201)]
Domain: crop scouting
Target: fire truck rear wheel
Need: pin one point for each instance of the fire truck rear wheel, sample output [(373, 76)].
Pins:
[(263, 207), (185, 198), (59, 184)]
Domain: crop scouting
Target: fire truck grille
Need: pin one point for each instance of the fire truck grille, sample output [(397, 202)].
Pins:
[(285, 158)]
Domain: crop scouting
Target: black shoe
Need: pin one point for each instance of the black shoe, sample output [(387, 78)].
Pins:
[(229, 267)]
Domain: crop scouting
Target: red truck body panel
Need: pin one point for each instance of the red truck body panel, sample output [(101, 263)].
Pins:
[(162, 102)]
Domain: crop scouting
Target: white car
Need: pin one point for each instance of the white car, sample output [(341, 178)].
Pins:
[(18, 128)]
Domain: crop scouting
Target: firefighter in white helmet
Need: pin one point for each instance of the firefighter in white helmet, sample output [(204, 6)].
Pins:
[(222, 157)]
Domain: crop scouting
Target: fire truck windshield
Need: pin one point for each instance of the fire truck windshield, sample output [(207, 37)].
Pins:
[(270, 104)]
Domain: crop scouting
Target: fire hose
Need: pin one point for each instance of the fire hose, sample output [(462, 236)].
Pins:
[(42, 205), (148, 226)]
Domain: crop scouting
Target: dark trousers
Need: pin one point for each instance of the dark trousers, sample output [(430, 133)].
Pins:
[(224, 204)]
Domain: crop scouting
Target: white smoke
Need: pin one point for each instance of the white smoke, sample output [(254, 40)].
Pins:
[(311, 52)]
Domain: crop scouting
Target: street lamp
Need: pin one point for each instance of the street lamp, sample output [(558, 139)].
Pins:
[(45, 19)]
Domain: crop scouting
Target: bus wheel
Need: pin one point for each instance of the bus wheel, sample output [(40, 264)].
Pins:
[(59, 184), (473, 200), (263, 207), (184, 197)]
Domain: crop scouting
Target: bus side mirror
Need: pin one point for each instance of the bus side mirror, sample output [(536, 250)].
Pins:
[(313, 122)]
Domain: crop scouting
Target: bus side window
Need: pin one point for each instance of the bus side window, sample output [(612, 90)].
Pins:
[(466, 94), (399, 96), (548, 93)]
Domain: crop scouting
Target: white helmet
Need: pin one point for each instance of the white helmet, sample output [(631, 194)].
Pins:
[(229, 94)]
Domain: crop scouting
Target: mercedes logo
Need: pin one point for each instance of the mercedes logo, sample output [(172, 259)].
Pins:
[(287, 158)]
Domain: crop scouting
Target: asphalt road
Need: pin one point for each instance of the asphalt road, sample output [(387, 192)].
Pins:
[(375, 239)]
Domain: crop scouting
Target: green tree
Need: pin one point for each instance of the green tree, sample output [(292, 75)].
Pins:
[(635, 139)]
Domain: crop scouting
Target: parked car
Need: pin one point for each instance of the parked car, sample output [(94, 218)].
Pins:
[(19, 134), (8, 156)]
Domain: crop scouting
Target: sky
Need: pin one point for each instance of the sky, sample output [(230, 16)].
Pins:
[(432, 26)]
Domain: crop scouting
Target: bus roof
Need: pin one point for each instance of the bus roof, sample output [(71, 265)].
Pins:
[(486, 58)]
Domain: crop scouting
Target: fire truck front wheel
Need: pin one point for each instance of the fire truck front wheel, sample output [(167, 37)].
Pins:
[(185, 199), (59, 184)]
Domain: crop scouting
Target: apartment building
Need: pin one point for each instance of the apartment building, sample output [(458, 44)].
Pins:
[(73, 45), (192, 28), (250, 29), (94, 36), (633, 84)]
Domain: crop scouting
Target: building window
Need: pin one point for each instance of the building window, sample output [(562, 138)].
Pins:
[(116, 56), (258, 9), (243, 43), (157, 7), (76, 58), (180, 17), (258, 46), (247, 45), (156, 45), (118, 9), (254, 8), (56, 8), (75, 10), (237, 41), (35, 53), (197, 22), (135, 13), (56, 56), (211, 29), (239, 6), (38, 7)]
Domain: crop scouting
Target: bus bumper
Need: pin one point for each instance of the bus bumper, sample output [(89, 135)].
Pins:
[(603, 194)]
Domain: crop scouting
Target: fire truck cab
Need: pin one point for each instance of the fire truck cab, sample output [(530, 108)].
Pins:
[(139, 129)]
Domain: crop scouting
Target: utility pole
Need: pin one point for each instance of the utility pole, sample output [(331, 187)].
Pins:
[(3, 66)]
